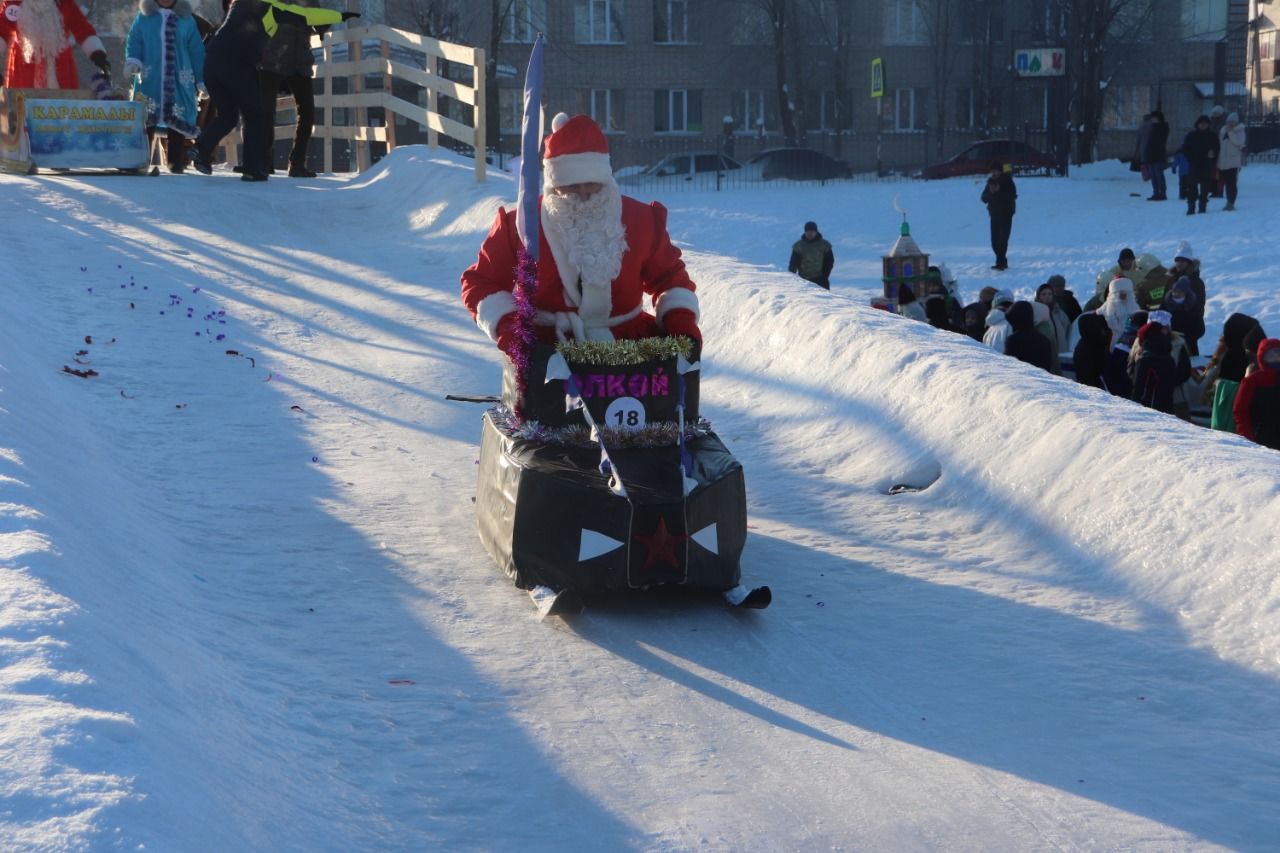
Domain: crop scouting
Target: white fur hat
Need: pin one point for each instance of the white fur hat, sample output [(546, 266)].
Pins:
[(1184, 251)]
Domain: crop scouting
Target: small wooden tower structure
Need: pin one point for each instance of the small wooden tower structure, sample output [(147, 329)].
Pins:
[(904, 266)]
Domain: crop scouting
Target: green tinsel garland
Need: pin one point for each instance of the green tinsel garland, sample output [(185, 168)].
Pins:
[(600, 353)]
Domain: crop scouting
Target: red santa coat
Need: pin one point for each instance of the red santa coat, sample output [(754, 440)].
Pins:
[(27, 75), (651, 265)]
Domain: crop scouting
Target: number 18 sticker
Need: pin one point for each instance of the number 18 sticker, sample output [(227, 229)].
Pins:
[(625, 413)]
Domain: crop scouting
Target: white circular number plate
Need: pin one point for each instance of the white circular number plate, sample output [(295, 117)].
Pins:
[(625, 413)]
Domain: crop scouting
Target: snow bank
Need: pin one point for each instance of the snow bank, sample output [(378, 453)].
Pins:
[(1185, 518)]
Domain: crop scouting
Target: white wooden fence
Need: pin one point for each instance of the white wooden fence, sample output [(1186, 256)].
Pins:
[(358, 53)]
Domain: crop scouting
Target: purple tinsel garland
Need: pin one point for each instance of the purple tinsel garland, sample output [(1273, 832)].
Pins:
[(526, 287)]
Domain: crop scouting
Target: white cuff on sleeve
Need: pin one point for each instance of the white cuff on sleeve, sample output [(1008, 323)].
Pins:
[(492, 309)]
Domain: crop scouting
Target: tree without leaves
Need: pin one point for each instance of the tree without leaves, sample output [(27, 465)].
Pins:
[(941, 23), (831, 24), (1094, 25), (779, 13)]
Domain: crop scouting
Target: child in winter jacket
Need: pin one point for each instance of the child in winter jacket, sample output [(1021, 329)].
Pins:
[(1257, 403), (1154, 373), (1024, 342), (1090, 356)]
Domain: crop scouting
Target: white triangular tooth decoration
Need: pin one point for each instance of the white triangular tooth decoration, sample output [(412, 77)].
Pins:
[(683, 366), (557, 368), (706, 537), (594, 544)]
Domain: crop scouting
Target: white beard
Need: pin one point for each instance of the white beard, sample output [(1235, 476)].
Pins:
[(587, 241), (1116, 313), (41, 34)]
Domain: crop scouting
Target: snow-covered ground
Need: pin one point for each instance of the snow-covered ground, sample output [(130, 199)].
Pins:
[(243, 605)]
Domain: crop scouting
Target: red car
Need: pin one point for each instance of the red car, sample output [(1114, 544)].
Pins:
[(978, 157)]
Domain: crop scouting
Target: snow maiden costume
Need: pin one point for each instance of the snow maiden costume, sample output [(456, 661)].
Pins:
[(165, 50)]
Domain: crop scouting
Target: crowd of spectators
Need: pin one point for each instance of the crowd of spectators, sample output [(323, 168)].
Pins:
[(1138, 336)]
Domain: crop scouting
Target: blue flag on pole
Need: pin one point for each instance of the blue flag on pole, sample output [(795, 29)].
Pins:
[(531, 153)]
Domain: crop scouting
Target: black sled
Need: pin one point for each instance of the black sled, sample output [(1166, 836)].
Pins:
[(663, 512)]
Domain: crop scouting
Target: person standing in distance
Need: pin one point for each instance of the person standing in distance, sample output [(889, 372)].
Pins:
[(1001, 198), (811, 257)]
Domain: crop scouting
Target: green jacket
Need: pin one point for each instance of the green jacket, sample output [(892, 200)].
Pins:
[(812, 260)]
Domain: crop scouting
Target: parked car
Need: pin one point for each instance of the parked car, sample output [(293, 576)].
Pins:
[(795, 164), (978, 157), (690, 167)]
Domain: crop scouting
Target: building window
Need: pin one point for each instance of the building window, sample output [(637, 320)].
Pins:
[(1125, 106), (910, 109), (962, 106), (1204, 20), (829, 111), (906, 23), (748, 111), (1267, 56), (606, 106), (510, 109), (677, 111), (597, 21), (749, 26), (524, 20), (671, 21)]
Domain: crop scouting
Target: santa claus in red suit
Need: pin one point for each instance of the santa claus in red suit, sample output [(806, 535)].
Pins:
[(600, 254), (40, 34)]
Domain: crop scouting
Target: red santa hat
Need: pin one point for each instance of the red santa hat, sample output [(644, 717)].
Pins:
[(576, 152)]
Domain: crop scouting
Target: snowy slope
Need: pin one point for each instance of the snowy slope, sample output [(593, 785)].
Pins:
[(243, 606)]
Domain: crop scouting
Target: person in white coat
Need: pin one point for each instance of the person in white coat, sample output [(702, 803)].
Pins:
[(1231, 142), (998, 328)]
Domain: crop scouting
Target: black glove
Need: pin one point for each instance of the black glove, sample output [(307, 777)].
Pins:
[(346, 16), (99, 58)]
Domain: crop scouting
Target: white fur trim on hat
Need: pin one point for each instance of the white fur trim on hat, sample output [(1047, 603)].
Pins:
[(676, 297), (1164, 318), (588, 167), (492, 309)]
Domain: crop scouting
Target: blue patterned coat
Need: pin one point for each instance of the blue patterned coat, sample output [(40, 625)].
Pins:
[(166, 49)]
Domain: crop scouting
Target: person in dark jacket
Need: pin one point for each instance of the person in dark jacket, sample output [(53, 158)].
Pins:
[(938, 315), (975, 320), (1154, 373), (1115, 376), (1257, 403), (1155, 155), (1200, 147), (1090, 356), (1183, 306), (1024, 342), (1065, 299), (1001, 198), (1230, 356), (231, 76), (811, 257), (287, 66)]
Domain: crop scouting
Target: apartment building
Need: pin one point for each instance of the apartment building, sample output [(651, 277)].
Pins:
[(1263, 64), (662, 75)]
